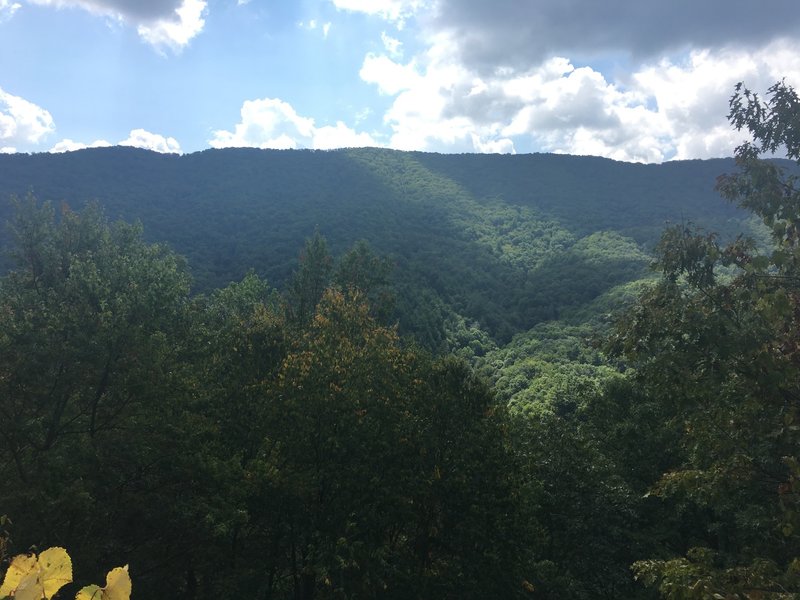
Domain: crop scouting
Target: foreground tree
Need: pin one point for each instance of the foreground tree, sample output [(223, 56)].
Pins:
[(391, 465), (717, 342), (90, 334)]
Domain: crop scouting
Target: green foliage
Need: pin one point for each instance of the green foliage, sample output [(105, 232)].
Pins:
[(383, 472), (310, 280), (256, 443), (361, 269), (90, 325), (702, 575), (227, 448), (500, 243), (720, 354)]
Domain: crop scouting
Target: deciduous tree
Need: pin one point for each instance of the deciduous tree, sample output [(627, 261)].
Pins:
[(717, 341)]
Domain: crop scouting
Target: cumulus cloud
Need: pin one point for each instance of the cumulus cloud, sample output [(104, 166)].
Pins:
[(162, 23), (665, 109), (22, 122), (178, 31), (517, 34), (68, 145), (273, 123), (692, 96), (138, 138), (7, 9), (390, 77), (340, 135), (266, 123), (431, 109)]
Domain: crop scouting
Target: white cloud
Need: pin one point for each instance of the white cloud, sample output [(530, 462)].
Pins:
[(390, 77), (162, 23), (22, 122), (68, 145), (340, 136), (139, 138), (393, 46), (175, 33), (273, 123), (326, 28), (495, 146), (692, 96), (421, 116), (395, 11), (7, 9), (7, 150), (266, 123), (663, 111)]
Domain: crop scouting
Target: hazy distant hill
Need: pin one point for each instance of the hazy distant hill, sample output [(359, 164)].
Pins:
[(489, 242)]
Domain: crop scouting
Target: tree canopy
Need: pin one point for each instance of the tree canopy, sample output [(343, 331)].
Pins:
[(716, 342)]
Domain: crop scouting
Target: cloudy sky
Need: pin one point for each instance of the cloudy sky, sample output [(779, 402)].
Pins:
[(634, 80)]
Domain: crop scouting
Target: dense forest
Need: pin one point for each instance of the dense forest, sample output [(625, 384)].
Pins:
[(377, 374), (553, 232)]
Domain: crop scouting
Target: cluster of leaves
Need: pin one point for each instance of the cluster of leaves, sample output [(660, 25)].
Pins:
[(32, 577)]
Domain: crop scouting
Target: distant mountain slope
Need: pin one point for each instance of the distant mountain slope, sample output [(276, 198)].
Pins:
[(493, 243)]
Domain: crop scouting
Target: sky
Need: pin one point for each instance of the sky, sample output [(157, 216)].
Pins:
[(633, 80)]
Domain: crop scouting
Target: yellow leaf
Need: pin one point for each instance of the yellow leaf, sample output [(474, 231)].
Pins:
[(29, 578), (21, 567), (30, 588), (55, 567), (118, 587), (118, 584), (90, 592)]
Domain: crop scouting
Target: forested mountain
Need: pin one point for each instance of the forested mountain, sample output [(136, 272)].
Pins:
[(501, 242), (402, 375)]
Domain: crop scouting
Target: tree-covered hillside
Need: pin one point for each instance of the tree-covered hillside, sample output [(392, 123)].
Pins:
[(288, 442), (488, 244)]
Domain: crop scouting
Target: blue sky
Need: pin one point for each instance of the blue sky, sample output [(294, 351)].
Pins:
[(631, 80)]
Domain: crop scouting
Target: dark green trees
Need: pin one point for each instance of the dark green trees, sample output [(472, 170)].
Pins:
[(310, 279), (716, 342), (241, 444), (366, 469), (89, 346)]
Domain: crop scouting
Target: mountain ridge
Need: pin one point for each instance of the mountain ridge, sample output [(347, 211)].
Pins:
[(486, 238)]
